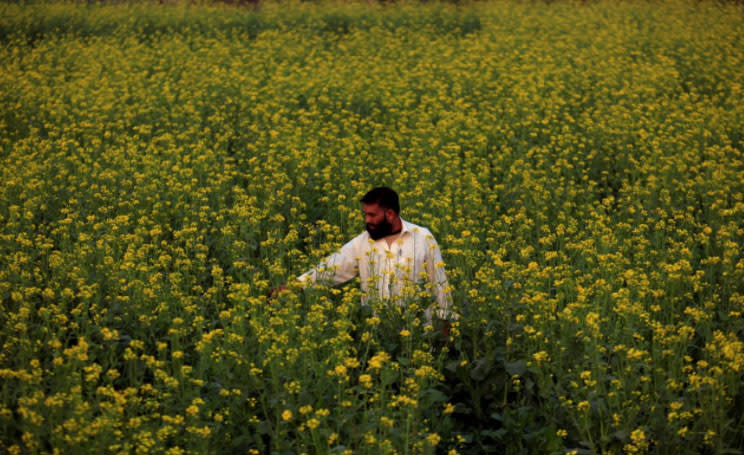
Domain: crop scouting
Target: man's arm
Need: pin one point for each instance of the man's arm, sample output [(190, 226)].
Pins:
[(337, 268), (438, 280)]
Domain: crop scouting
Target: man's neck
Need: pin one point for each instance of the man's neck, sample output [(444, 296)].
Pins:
[(397, 228)]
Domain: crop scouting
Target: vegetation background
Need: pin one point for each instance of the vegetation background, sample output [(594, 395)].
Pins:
[(164, 166)]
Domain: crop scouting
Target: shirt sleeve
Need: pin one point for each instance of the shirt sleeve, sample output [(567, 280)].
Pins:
[(438, 280), (337, 268)]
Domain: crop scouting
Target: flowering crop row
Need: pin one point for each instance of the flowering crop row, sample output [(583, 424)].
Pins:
[(164, 167)]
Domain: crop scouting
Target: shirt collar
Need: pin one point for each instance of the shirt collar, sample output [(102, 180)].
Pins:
[(405, 226)]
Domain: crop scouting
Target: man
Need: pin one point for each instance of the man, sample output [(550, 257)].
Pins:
[(391, 257)]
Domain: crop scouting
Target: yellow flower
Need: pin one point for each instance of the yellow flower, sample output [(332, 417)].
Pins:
[(365, 380), (376, 362), (541, 357)]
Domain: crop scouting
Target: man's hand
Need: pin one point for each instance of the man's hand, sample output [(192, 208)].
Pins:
[(275, 291), (445, 328), (293, 286)]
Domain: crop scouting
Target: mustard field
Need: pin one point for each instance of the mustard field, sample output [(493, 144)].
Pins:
[(163, 167)]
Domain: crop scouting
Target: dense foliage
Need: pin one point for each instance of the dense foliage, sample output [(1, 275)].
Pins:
[(163, 167)]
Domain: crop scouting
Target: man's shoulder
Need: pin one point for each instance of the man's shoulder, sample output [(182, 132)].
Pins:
[(417, 230), (361, 239)]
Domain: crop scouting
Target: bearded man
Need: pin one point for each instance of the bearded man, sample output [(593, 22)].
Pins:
[(391, 257)]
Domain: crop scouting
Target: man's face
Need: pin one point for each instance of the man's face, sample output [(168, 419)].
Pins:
[(379, 220)]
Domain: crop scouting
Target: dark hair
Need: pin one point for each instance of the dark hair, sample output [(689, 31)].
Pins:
[(383, 196)]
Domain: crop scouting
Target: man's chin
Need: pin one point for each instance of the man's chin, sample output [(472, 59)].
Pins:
[(375, 235), (379, 232)]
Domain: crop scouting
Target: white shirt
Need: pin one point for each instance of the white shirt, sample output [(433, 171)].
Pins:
[(390, 271)]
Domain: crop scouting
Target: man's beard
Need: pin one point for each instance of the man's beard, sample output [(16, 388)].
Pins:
[(382, 229)]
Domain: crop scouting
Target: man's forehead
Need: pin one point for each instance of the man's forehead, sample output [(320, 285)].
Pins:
[(373, 207)]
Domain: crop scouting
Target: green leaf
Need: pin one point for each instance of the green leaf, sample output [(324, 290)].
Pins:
[(482, 367), (433, 396), (519, 367), (495, 434)]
